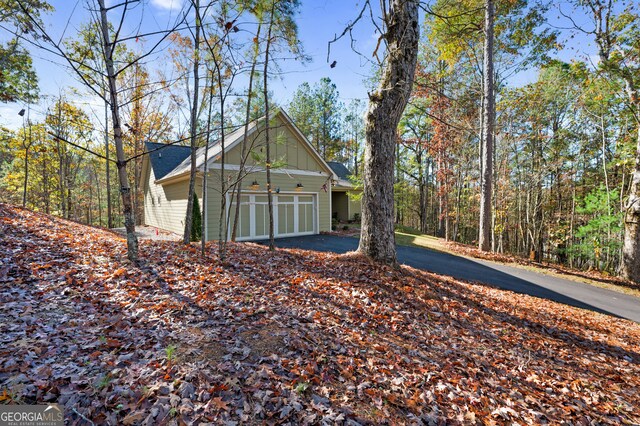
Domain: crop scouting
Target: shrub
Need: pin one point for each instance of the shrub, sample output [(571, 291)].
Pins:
[(196, 223)]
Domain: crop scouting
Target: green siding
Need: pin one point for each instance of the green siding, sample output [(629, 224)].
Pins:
[(286, 183), (165, 205), (286, 148)]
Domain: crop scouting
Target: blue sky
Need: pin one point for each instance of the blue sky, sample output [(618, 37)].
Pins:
[(318, 22)]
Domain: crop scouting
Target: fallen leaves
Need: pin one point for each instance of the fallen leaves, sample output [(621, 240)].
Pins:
[(290, 337)]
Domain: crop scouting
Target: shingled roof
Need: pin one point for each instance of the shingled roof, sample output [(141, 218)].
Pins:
[(164, 160), (339, 169)]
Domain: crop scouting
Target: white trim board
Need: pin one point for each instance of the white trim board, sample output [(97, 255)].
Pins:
[(259, 169)]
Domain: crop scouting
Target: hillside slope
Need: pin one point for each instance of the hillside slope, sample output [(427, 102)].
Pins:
[(289, 337)]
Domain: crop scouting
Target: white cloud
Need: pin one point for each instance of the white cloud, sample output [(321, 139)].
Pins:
[(167, 4)]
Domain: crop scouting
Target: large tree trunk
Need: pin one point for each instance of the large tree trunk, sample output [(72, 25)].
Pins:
[(484, 240), (125, 190), (631, 244), (265, 92), (194, 127), (108, 162), (386, 106)]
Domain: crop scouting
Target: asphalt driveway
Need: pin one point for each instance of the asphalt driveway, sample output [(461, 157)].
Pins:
[(506, 277)]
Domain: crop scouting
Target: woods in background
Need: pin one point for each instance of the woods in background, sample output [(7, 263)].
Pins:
[(564, 143)]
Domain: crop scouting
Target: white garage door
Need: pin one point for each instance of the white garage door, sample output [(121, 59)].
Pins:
[(293, 214)]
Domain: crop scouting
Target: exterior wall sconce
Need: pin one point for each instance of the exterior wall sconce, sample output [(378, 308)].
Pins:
[(255, 185), (299, 187)]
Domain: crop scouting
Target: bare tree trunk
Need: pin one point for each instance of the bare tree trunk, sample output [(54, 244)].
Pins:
[(26, 177), (98, 196), (631, 243), (422, 202), (27, 147), (194, 126), (108, 161), (243, 148), (222, 230), (386, 105), (45, 184), (440, 192), (397, 181), (484, 241), (458, 198), (266, 123), (125, 190), (205, 191), (61, 179)]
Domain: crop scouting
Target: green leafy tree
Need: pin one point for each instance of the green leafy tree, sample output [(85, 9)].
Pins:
[(31, 165), (353, 134), (317, 113), (327, 122), (70, 123), (18, 80), (599, 236), (302, 109)]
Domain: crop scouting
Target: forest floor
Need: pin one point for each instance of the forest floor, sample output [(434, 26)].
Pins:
[(150, 233), (280, 338)]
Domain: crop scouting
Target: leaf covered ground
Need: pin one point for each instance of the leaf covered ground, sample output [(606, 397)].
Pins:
[(291, 337)]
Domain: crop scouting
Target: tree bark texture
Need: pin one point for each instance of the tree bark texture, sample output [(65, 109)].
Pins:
[(125, 189), (188, 220), (488, 117), (265, 92), (386, 105), (631, 243)]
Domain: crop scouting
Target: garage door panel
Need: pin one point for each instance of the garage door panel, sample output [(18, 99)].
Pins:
[(289, 208), (305, 218), (245, 220), (262, 219)]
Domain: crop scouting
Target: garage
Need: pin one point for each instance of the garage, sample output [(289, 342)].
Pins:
[(294, 214)]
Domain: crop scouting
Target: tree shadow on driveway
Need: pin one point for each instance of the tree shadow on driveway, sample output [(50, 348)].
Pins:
[(504, 277)]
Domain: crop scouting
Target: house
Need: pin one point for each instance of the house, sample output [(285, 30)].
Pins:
[(344, 206), (302, 182)]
